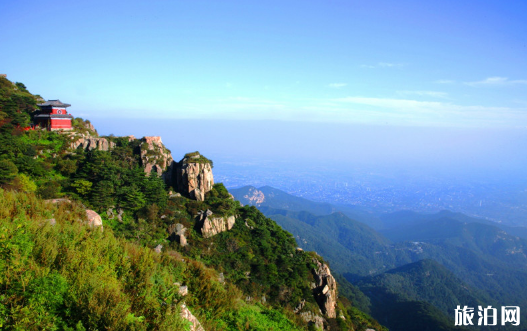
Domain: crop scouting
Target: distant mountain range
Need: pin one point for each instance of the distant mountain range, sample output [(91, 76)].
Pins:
[(431, 261)]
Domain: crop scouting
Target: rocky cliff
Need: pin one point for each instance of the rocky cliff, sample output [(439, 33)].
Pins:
[(212, 225), (88, 143), (193, 176), (155, 157), (325, 289)]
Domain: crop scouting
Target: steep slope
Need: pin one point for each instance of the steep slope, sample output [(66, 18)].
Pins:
[(483, 255), (345, 242), (232, 267), (424, 280), (413, 316)]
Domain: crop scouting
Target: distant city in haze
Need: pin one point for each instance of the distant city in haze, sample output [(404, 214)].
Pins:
[(388, 190)]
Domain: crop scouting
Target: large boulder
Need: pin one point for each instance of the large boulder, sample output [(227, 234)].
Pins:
[(94, 219), (177, 233), (325, 289), (212, 225), (193, 176)]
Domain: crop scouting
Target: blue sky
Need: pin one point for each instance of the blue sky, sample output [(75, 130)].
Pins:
[(410, 63)]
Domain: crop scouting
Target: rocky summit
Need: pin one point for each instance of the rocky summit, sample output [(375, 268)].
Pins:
[(193, 176)]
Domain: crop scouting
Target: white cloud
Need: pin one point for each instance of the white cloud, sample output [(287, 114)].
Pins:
[(437, 113), (408, 104), (337, 85), (387, 64), (358, 109), (434, 94), (392, 103), (444, 81), (497, 81)]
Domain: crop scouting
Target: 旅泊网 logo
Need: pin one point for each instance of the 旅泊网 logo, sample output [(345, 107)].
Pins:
[(486, 316)]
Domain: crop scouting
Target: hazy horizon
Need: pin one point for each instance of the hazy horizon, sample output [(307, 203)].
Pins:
[(437, 150)]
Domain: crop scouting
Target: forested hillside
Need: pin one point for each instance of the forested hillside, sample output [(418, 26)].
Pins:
[(174, 250), (432, 262)]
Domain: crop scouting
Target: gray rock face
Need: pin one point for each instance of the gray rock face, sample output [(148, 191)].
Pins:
[(89, 143), (111, 213), (90, 128), (230, 222), (183, 290), (300, 306), (309, 317), (155, 157), (193, 177), (94, 219), (59, 200), (255, 197), (177, 233), (325, 289), (195, 325), (211, 226)]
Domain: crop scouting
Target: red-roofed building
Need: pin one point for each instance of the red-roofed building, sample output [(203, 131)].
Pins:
[(53, 115)]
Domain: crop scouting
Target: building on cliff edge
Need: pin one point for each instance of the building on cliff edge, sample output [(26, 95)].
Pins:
[(52, 115)]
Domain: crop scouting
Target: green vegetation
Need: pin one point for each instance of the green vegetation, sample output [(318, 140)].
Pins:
[(58, 273), (424, 281), (83, 126), (484, 256), (68, 276), (258, 318), (196, 157)]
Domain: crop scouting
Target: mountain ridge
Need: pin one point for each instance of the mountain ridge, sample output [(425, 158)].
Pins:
[(167, 225), (475, 250)]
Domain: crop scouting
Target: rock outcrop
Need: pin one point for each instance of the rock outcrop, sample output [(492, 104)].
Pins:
[(211, 226), (90, 128), (155, 157), (194, 176), (111, 213), (311, 318), (255, 196), (195, 325), (59, 200), (94, 219), (325, 289), (89, 143), (177, 233)]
